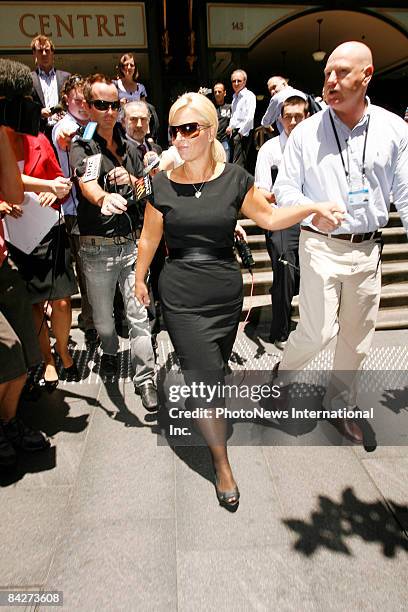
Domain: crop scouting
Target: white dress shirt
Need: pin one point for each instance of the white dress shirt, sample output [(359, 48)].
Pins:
[(269, 155), (312, 170), (243, 111), (49, 87), (273, 112)]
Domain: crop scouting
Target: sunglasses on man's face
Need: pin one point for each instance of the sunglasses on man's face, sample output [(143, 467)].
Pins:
[(104, 105), (187, 130)]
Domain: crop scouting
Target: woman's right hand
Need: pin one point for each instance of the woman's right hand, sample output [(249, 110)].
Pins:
[(46, 198), (142, 293), (328, 216)]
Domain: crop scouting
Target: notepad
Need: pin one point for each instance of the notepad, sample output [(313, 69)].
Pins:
[(27, 231)]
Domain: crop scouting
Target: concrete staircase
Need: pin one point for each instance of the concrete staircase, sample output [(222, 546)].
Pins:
[(394, 294)]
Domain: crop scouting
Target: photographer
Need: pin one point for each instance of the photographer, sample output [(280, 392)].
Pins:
[(19, 348), (109, 219)]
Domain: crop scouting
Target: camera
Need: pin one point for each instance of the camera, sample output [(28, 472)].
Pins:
[(206, 91), (21, 114), (245, 253)]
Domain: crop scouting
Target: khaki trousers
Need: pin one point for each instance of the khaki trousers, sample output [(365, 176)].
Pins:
[(340, 288)]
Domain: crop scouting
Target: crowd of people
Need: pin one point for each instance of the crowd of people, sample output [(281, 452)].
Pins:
[(321, 189)]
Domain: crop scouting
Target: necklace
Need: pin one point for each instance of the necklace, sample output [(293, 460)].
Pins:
[(199, 190)]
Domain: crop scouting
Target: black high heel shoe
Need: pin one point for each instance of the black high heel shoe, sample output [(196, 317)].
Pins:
[(49, 385), (228, 499), (72, 373)]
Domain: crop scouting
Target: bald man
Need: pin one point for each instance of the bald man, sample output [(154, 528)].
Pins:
[(280, 91), (353, 153)]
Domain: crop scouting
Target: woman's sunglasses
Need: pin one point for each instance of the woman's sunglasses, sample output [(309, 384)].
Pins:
[(104, 105), (187, 130)]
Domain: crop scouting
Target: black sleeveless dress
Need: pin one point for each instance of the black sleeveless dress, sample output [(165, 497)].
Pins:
[(201, 300)]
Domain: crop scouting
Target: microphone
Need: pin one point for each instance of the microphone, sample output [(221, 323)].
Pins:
[(151, 160), (58, 108)]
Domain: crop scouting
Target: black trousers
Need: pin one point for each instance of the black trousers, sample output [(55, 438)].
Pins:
[(283, 245), (240, 146)]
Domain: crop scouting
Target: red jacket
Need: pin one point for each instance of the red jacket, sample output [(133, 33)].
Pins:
[(40, 160)]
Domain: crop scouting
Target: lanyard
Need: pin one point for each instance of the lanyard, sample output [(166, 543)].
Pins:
[(347, 172)]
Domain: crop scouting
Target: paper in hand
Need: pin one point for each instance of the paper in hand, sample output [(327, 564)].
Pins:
[(27, 231)]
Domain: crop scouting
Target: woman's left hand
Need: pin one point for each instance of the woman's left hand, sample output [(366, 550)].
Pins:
[(46, 198), (240, 233), (329, 216)]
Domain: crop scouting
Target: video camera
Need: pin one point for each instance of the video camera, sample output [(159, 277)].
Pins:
[(245, 253), (17, 109), (21, 114)]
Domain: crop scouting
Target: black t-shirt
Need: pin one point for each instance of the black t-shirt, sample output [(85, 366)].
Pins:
[(224, 116), (91, 221)]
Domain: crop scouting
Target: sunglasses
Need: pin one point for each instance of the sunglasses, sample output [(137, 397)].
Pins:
[(187, 130), (104, 105)]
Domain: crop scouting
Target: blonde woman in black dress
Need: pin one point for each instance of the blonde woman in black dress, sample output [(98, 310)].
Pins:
[(196, 206)]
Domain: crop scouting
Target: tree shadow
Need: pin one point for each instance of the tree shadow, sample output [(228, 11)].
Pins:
[(334, 522), (395, 400)]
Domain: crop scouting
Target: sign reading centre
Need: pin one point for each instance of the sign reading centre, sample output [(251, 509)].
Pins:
[(73, 25)]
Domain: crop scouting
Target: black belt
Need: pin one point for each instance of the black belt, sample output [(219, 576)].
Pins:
[(202, 253), (355, 238)]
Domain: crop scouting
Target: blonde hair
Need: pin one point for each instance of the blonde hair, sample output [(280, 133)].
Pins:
[(207, 111)]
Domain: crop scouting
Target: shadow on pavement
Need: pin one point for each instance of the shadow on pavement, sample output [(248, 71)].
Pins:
[(395, 399), (50, 414), (122, 413), (334, 522)]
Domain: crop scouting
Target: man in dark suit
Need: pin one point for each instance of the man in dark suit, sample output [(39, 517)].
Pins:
[(136, 120), (47, 82)]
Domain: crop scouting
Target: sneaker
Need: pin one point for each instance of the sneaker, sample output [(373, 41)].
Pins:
[(23, 437), (8, 455), (109, 364), (148, 394), (91, 337)]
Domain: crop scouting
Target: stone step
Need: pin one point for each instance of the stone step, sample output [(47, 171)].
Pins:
[(388, 318), (256, 241), (395, 251), (391, 234), (391, 253), (392, 318), (394, 219), (394, 271), (394, 235), (394, 295)]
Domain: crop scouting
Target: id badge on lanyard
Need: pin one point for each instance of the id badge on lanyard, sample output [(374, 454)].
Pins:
[(358, 196)]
